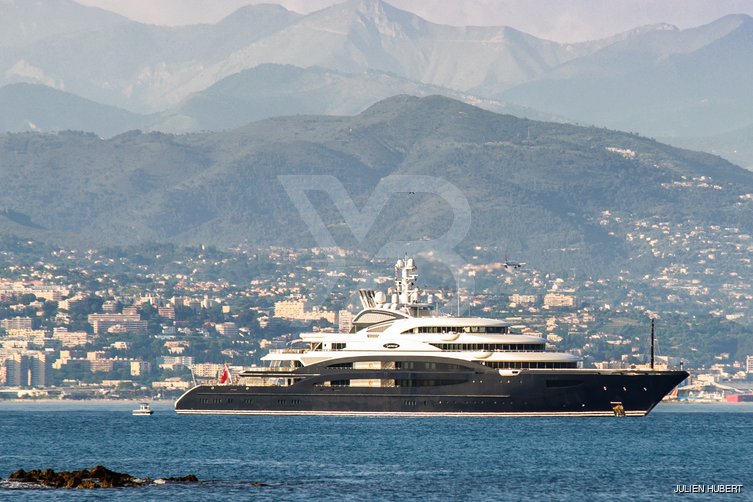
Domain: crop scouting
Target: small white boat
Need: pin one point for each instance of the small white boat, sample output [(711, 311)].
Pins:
[(143, 410)]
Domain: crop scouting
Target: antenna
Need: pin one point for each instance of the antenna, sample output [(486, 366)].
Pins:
[(457, 292), (652, 343)]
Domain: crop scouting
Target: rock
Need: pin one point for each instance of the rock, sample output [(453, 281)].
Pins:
[(19, 475), (188, 478), (111, 479), (97, 477)]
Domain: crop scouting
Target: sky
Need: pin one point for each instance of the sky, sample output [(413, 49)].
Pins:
[(560, 20)]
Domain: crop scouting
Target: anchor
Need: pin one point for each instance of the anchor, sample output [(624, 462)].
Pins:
[(619, 410)]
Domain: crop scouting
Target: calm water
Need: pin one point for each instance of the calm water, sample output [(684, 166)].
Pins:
[(342, 458)]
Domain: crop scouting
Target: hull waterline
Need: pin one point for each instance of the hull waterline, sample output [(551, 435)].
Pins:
[(527, 393)]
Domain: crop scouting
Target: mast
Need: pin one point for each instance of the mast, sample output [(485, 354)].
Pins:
[(405, 281), (457, 292), (652, 343)]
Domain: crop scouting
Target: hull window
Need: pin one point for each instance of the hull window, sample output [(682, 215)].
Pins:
[(428, 365), (519, 365), (401, 382)]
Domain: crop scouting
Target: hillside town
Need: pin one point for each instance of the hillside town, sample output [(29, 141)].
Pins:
[(150, 323)]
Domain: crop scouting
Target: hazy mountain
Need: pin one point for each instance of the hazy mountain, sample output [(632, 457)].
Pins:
[(136, 66), (29, 107), (358, 35), (736, 146), (537, 189), (147, 68), (255, 94), (275, 90), (23, 22), (662, 82), (656, 80)]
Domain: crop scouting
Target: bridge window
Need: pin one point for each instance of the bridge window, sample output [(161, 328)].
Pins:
[(460, 329), (517, 365), (490, 347)]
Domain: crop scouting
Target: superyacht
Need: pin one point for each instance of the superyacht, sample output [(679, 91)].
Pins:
[(403, 357)]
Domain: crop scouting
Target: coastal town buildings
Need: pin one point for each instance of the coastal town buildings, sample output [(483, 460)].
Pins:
[(296, 310), (117, 321), (16, 323), (554, 299), (133, 323), (25, 368), (227, 328)]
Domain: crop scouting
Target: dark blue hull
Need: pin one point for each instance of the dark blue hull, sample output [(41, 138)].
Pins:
[(484, 391)]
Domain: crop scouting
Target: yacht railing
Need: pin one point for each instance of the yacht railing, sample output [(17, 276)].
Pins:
[(267, 369), (288, 350)]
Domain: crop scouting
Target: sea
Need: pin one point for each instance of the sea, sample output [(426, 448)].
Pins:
[(371, 458)]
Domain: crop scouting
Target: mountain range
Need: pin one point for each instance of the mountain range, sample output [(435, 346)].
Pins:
[(663, 82), (272, 90), (682, 86), (536, 189), (145, 67)]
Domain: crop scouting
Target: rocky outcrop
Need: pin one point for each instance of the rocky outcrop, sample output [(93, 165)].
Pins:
[(97, 477)]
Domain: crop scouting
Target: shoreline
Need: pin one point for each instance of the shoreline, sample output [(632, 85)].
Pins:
[(167, 405), (83, 404), (87, 401)]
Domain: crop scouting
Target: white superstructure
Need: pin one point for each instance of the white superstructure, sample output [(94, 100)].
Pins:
[(399, 323)]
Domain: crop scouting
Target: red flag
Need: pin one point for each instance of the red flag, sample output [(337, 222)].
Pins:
[(225, 375)]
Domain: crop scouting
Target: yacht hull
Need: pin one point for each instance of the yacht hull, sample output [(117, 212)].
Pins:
[(489, 393)]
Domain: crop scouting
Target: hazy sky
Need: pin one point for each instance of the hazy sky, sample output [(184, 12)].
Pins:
[(561, 20)]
